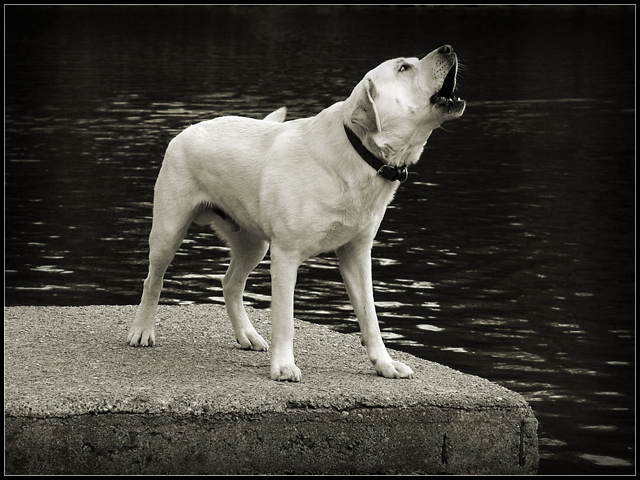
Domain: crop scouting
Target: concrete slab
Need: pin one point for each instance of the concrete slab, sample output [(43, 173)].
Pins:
[(78, 400)]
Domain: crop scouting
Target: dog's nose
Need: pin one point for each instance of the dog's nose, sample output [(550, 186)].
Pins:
[(446, 49)]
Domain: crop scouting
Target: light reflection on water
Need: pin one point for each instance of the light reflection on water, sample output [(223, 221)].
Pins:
[(510, 256)]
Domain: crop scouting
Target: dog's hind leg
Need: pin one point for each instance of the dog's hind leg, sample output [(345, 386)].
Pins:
[(171, 220), (246, 252)]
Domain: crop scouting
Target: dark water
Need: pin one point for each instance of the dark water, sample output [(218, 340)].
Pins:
[(511, 256)]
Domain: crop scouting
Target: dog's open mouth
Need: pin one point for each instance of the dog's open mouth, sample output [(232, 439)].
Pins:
[(446, 95)]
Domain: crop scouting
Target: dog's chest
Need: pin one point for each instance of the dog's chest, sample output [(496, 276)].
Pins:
[(324, 223)]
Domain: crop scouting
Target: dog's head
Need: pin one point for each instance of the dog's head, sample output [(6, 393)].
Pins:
[(400, 102)]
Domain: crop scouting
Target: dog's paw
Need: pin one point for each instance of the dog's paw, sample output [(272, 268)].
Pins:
[(393, 369), (141, 337), (252, 340), (286, 373)]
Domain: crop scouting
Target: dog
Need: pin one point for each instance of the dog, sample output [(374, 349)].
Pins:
[(299, 188)]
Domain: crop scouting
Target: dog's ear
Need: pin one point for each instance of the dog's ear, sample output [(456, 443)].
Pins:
[(365, 112)]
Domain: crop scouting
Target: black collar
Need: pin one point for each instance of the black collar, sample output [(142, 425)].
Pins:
[(388, 172)]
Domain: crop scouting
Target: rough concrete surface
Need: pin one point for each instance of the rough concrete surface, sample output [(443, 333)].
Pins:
[(79, 400)]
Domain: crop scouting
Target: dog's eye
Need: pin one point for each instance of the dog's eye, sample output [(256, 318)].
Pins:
[(404, 67)]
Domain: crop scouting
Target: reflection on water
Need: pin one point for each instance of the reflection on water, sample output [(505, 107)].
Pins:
[(510, 256)]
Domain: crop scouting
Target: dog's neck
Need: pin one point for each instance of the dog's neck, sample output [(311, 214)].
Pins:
[(398, 152), (388, 172)]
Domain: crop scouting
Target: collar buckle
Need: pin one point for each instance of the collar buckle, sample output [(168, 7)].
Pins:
[(393, 173)]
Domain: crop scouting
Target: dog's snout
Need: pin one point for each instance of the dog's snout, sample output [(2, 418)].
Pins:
[(445, 50)]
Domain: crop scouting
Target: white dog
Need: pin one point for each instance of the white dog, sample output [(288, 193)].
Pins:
[(300, 187)]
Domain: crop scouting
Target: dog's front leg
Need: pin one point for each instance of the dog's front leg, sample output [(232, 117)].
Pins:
[(284, 271), (355, 266)]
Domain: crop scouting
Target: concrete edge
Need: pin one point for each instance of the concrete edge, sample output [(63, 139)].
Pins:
[(92, 417)]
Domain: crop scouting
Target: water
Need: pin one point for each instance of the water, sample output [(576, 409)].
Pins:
[(511, 256)]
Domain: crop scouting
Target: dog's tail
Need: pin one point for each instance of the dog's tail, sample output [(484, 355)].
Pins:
[(277, 116)]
